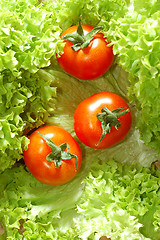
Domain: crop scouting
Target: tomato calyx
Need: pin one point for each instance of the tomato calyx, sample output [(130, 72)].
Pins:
[(79, 40), (110, 118), (59, 153)]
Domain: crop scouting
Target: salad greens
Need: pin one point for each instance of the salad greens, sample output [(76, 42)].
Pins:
[(117, 192), (28, 40), (29, 36), (113, 200), (118, 200), (26, 103), (136, 39)]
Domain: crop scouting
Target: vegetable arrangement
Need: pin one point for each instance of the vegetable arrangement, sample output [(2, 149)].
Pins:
[(113, 191)]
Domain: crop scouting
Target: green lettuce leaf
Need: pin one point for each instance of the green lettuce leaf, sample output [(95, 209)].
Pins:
[(136, 40), (118, 201), (94, 12), (25, 103), (111, 200), (43, 208), (29, 36)]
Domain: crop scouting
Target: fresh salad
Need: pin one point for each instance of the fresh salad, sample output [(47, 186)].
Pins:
[(79, 120)]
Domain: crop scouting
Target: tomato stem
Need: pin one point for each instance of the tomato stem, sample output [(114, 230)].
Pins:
[(110, 118), (59, 153), (79, 40)]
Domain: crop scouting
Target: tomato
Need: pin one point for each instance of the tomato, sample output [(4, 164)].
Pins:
[(89, 62), (102, 120), (53, 171)]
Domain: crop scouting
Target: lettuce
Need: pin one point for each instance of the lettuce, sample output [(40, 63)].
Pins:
[(25, 103), (40, 206), (93, 12), (116, 193), (116, 201), (136, 39), (29, 36), (111, 200)]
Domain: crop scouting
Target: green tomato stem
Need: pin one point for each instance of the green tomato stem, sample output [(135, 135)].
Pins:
[(59, 153), (79, 40), (110, 118)]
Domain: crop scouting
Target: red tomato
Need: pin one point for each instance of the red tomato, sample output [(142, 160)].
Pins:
[(35, 156), (89, 129), (88, 63)]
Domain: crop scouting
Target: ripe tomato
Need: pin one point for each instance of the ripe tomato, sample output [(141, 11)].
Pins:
[(39, 148), (91, 61), (90, 128)]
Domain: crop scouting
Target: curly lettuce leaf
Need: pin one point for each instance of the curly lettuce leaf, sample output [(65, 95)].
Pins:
[(118, 201), (111, 200), (94, 12), (25, 103), (136, 40), (43, 208), (29, 36)]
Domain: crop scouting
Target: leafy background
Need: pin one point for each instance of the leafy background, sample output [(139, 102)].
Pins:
[(35, 91)]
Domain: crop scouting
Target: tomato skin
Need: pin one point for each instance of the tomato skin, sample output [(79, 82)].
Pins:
[(35, 156), (88, 63), (88, 128)]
